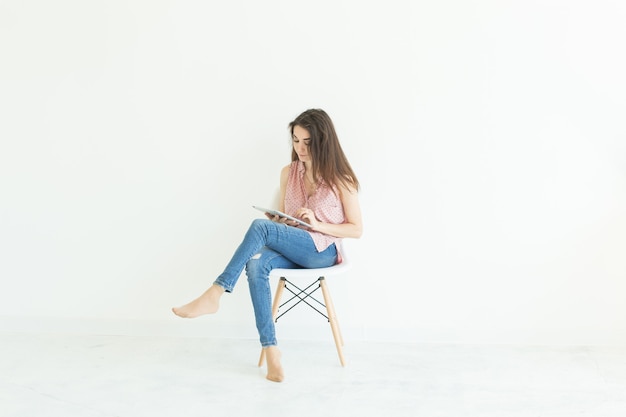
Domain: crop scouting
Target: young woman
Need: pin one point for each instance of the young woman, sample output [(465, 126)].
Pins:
[(319, 187)]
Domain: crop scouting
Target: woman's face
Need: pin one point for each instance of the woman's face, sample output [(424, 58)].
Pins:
[(300, 140)]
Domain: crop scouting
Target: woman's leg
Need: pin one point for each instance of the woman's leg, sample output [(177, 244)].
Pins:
[(258, 270), (208, 302), (293, 243)]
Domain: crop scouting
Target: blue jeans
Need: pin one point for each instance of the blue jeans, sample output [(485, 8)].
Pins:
[(268, 245)]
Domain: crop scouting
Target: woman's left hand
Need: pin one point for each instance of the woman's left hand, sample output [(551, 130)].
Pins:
[(308, 216)]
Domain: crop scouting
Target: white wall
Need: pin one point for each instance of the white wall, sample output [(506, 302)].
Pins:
[(135, 136)]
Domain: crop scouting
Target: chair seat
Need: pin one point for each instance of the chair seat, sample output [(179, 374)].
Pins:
[(343, 247), (313, 272)]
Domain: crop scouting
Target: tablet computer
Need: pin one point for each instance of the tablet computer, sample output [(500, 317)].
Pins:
[(281, 214)]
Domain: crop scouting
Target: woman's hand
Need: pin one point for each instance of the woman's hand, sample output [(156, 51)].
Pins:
[(308, 216)]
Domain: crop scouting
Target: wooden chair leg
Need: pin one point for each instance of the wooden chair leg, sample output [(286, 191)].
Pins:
[(329, 302), (332, 318), (277, 297)]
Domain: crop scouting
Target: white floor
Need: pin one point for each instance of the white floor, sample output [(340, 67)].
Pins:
[(71, 375)]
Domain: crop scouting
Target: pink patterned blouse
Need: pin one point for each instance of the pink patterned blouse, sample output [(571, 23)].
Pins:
[(325, 203)]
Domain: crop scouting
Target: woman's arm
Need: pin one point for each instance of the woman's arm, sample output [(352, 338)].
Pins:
[(353, 226)]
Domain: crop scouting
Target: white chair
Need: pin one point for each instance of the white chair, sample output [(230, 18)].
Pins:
[(305, 295)]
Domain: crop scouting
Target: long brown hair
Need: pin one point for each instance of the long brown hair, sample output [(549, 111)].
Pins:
[(328, 159)]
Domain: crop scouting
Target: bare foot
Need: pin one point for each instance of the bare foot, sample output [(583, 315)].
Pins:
[(207, 303), (274, 368)]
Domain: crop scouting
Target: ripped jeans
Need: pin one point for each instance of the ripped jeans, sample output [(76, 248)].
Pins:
[(268, 245)]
